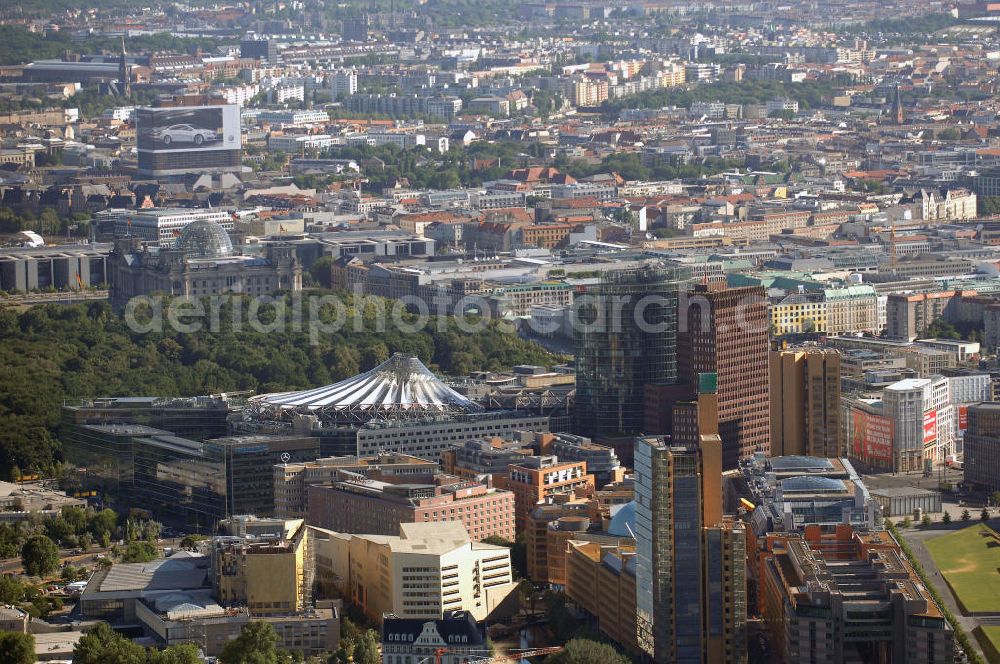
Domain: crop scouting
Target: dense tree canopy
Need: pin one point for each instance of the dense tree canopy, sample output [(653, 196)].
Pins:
[(809, 94), (367, 649), (629, 166), (427, 169), (256, 644), (913, 28), (320, 271), (989, 206), (102, 645), (73, 527), (19, 46), (12, 590), (17, 648), (183, 653), (90, 101), (139, 552), (53, 352), (39, 556), (939, 328)]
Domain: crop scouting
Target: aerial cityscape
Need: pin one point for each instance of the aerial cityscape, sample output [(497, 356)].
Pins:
[(499, 332)]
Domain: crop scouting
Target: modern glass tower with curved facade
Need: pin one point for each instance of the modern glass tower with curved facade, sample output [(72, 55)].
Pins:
[(625, 334), (690, 559)]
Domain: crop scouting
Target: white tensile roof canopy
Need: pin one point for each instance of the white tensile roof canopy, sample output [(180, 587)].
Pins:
[(400, 385)]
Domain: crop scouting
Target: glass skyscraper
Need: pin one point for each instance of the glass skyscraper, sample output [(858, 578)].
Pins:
[(690, 560), (625, 334)]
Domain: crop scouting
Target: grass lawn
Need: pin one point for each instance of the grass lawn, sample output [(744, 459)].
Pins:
[(969, 559), (989, 639)]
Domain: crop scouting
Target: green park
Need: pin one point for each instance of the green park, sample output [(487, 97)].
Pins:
[(969, 560), (989, 639)]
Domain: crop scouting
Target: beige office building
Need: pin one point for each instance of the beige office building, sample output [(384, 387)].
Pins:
[(805, 403), (428, 570)]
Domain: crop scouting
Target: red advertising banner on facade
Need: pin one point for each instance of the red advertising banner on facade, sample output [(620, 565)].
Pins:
[(871, 437), (963, 418), (930, 427)]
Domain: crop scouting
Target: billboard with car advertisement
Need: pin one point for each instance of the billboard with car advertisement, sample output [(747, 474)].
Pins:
[(188, 128)]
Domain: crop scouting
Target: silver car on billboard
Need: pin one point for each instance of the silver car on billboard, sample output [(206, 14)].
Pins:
[(184, 133)]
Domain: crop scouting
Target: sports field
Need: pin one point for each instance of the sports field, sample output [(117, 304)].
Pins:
[(989, 639), (969, 559)]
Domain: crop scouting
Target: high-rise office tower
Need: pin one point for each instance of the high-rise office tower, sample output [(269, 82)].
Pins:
[(355, 28), (805, 402), (625, 332), (726, 331), (982, 446), (690, 560), (260, 49)]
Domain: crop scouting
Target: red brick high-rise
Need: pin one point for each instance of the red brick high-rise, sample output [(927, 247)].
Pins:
[(726, 331)]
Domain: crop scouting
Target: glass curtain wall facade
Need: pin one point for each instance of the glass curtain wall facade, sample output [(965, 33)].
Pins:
[(690, 575), (135, 466), (668, 551), (102, 455), (198, 483), (197, 418), (625, 337), (654, 548), (688, 553), (175, 475)]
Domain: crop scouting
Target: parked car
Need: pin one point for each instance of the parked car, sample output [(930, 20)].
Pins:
[(183, 133), (76, 588)]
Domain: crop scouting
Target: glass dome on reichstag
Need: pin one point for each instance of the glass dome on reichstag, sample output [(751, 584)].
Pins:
[(205, 239)]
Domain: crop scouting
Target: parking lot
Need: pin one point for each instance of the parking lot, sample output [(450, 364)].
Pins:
[(953, 502)]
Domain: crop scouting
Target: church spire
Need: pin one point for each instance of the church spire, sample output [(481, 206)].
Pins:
[(124, 74), (897, 106)]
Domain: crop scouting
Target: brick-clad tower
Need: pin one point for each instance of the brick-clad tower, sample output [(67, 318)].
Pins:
[(726, 331)]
